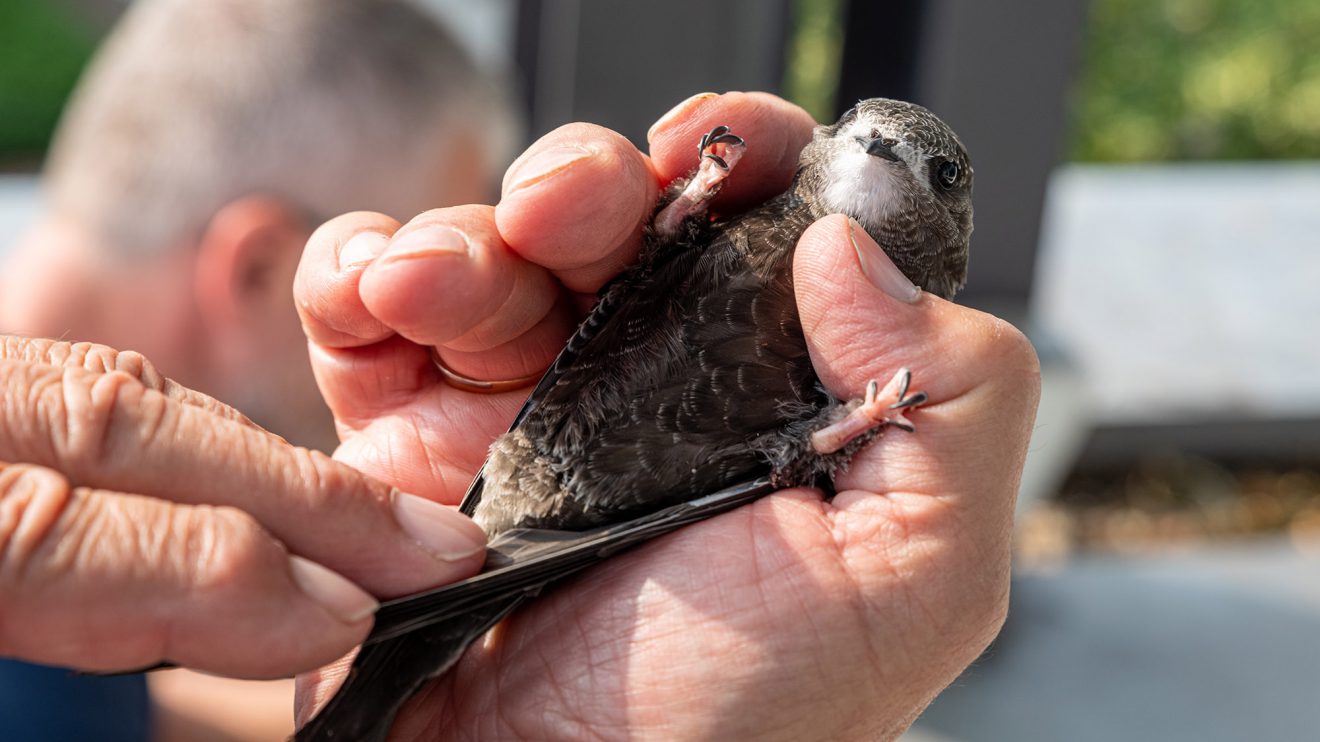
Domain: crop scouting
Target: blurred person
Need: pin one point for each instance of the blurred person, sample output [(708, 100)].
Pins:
[(201, 147)]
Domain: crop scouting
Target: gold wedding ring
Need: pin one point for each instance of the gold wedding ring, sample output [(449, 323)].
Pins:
[(478, 386)]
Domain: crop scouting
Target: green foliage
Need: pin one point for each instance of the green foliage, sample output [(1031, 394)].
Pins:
[(42, 51), (1199, 79), (811, 75)]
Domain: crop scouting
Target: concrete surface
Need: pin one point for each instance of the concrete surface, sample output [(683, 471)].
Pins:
[(1186, 289), (1216, 645)]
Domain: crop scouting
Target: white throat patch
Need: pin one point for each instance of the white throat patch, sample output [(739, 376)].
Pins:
[(866, 187), (863, 187)]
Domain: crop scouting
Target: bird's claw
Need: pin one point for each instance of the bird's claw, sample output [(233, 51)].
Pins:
[(871, 412), (717, 136), (719, 151)]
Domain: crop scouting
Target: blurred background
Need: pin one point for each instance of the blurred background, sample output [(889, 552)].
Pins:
[(1147, 209)]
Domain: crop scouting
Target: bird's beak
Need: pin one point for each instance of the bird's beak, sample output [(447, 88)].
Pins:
[(877, 148)]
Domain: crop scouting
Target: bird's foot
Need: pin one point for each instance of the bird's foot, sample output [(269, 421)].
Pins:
[(722, 148), (878, 408), (719, 152)]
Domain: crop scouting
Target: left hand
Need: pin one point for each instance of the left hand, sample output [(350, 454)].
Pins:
[(793, 618), (142, 522)]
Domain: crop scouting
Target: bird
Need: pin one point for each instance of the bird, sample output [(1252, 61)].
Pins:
[(686, 392)]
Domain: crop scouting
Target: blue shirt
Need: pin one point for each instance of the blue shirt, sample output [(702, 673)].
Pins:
[(52, 704)]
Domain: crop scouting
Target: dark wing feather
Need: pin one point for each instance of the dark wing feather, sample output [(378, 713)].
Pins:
[(689, 387), (526, 560), (615, 295)]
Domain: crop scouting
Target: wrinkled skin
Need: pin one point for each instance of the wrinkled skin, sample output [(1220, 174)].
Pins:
[(143, 522), (794, 618)]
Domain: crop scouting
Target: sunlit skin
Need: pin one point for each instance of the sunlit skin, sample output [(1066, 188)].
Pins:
[(144, 522), (794, 618)]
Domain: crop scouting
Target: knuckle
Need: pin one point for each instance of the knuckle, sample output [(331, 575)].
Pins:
[(37, 416), (1002, 347), (32, 501), (95, 417), (320, 476), (216, 547), (137, 366), (59, 353), (90, 356), (30, 350), (13, 347), (102, 359)]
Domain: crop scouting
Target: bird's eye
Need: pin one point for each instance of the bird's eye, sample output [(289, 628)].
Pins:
[(875, 133), (948, 173)]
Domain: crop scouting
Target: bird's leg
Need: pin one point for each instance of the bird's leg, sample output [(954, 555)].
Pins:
[(878, 408), (719, 152)]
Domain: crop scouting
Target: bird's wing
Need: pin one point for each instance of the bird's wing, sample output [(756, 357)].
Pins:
[(619, 308)]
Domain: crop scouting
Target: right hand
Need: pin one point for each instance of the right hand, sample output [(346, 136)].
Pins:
[(792, 618)]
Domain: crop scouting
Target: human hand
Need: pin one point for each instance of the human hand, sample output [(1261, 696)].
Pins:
[(792, 618), (142, 522)]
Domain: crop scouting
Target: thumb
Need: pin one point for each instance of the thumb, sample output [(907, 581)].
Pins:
[(864, 320), (935, 507)]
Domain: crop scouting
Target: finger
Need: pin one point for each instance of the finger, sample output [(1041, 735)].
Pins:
[(431, 446), (400, 423), (371, 368), (361, 384), (576, 202), (102, 359), (981, 373), (325, 287), (497, 316), (774, 129), (109, 431), (447, 279), (102, 580)]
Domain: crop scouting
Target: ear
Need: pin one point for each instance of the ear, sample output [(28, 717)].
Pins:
[(246, 258)]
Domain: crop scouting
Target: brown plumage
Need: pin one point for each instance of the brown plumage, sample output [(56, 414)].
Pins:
[(686, 392)]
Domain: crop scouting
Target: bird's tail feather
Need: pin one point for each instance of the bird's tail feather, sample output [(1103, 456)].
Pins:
[(387, 673), (523, 561)]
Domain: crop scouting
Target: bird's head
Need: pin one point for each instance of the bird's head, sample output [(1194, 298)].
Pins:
[(903, 175)]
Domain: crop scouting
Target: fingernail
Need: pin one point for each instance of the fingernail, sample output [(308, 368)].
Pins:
[(344, 600), (545, 165), (677, 112), (878, 268), (427, 241), (361, 249), (445, 533)]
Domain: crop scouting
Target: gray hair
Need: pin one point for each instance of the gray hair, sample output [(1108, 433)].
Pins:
[(331, 105)]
